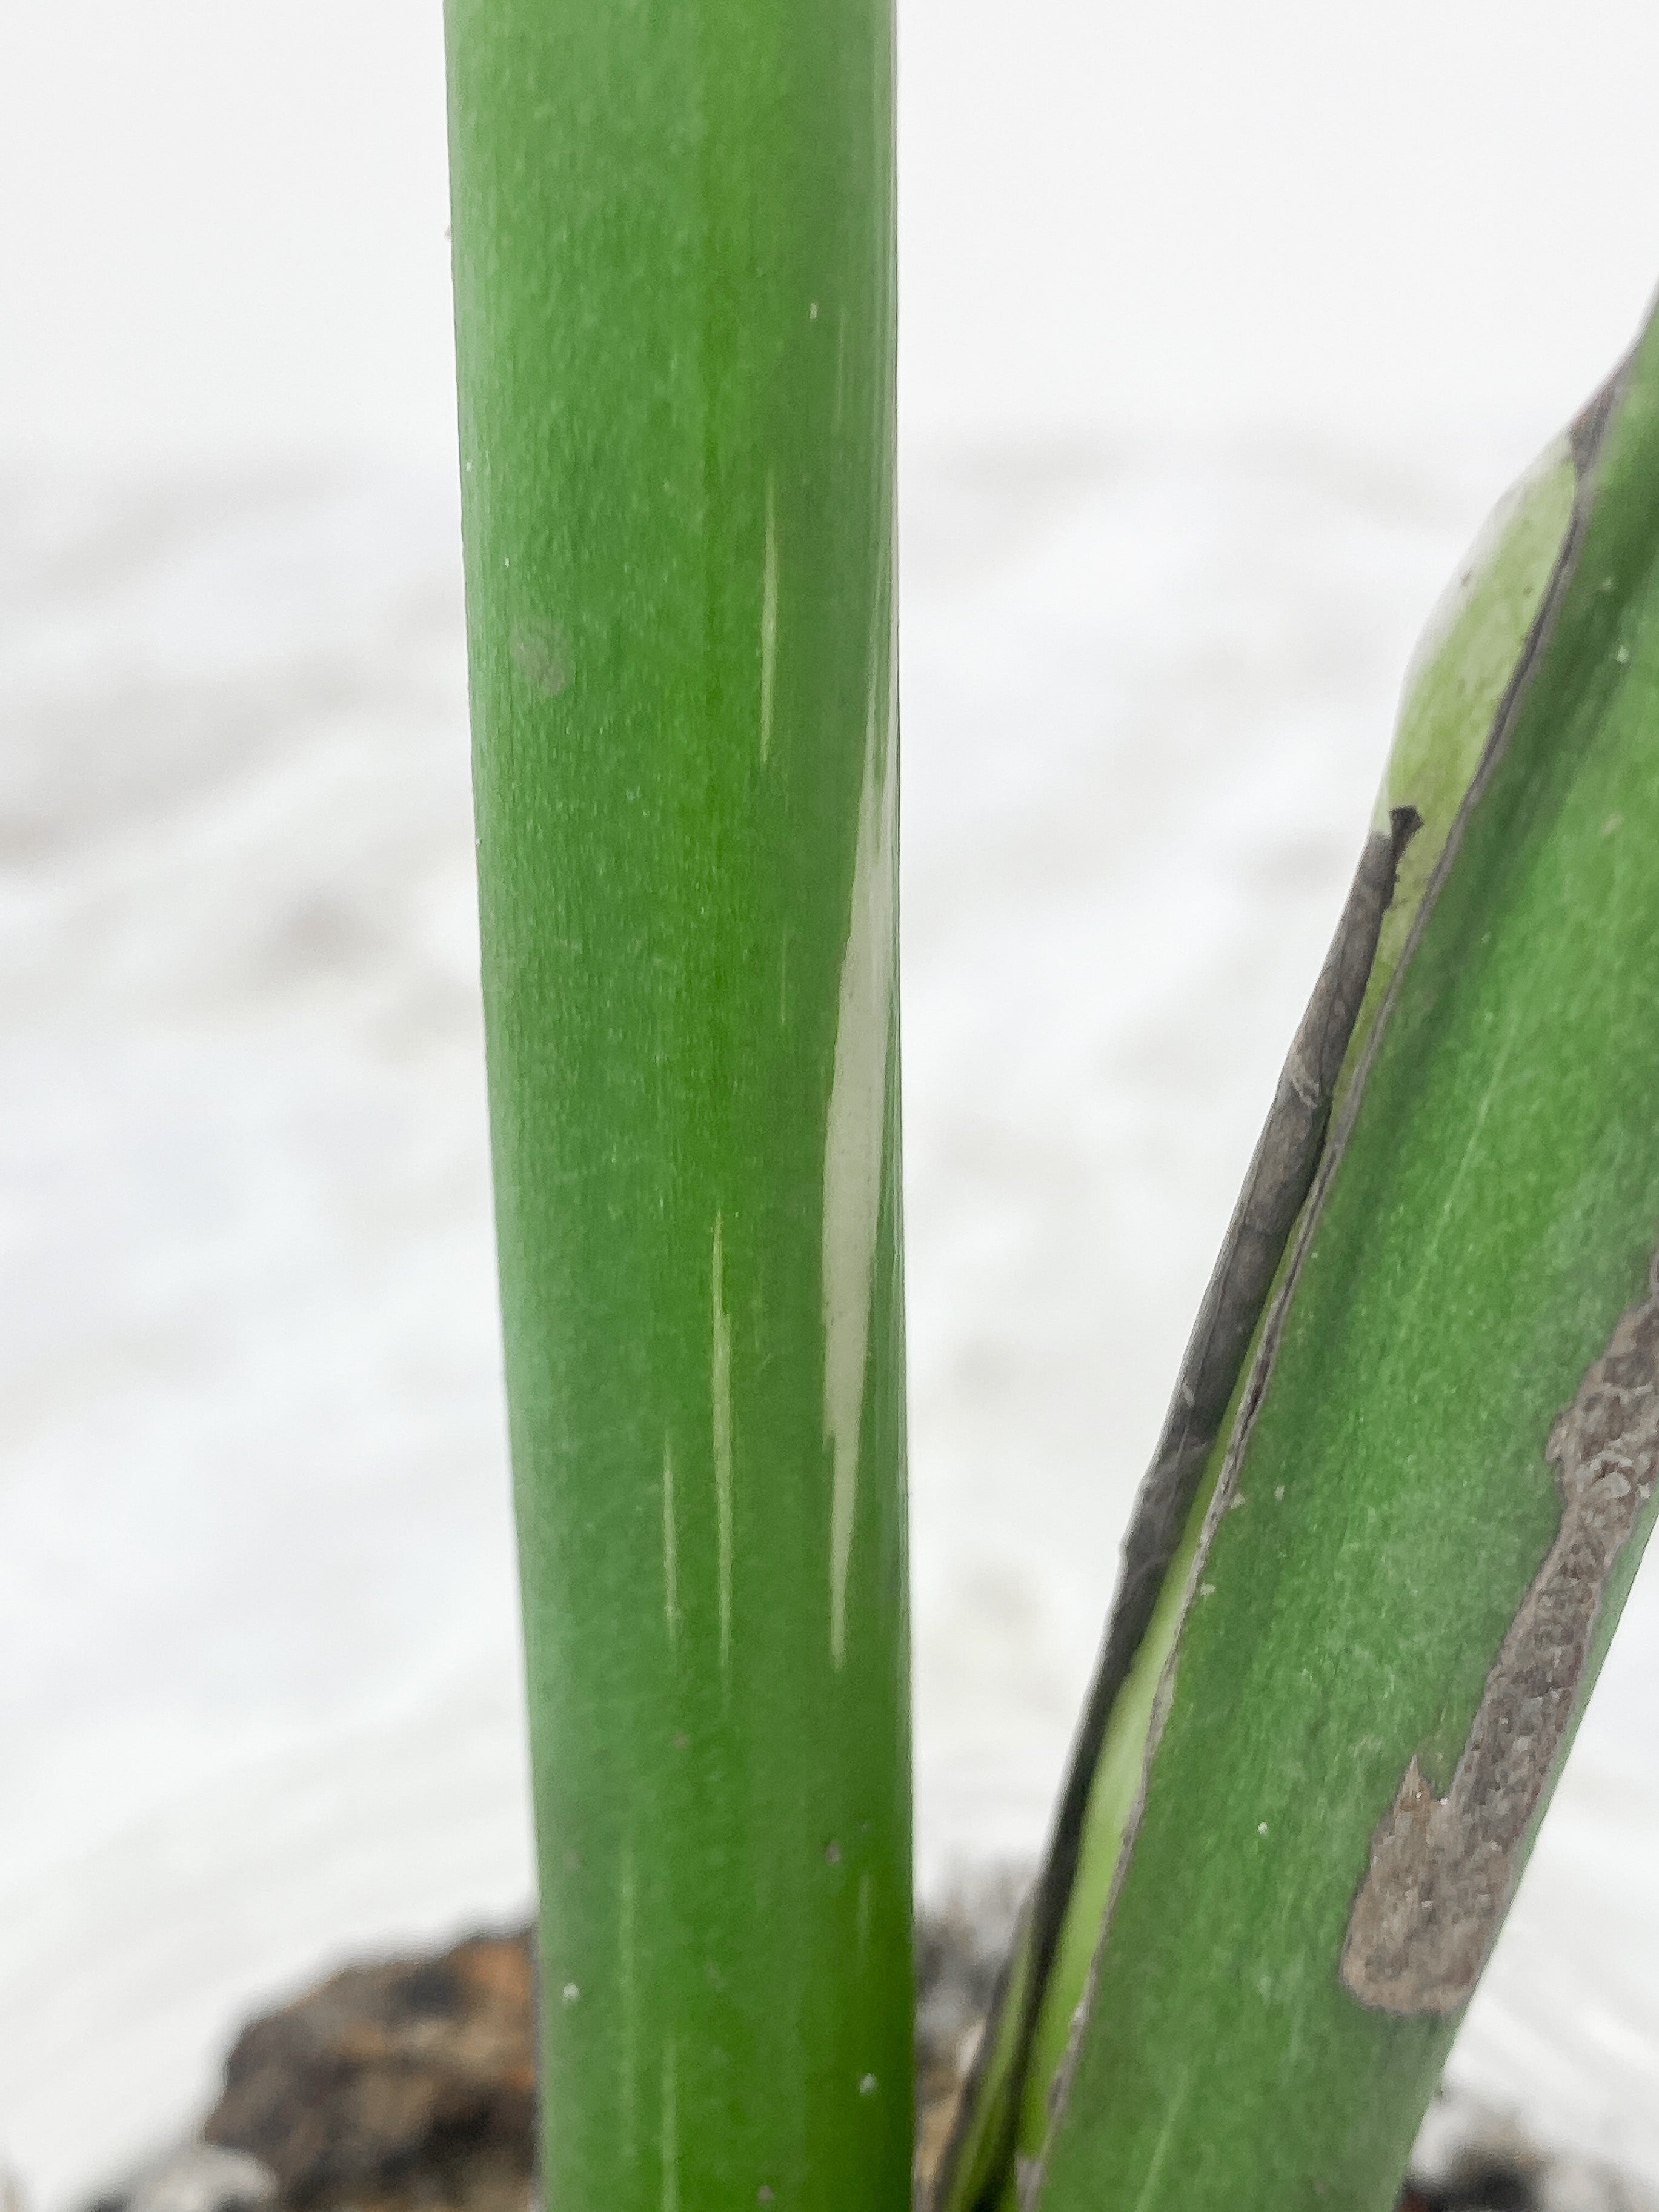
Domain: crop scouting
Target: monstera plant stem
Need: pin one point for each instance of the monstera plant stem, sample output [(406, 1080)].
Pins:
[(674, 286), (1413, 1452)]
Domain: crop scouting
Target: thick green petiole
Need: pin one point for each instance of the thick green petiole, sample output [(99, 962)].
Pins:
[(674, 263), (1410, 1464)]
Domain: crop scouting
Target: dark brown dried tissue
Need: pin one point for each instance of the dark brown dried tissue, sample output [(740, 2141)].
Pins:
[(407, 2085)]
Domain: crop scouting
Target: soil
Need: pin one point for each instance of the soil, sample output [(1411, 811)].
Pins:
[(408, 2085)]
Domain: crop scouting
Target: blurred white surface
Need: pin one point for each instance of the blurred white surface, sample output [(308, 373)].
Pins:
[(1180, 283), (222, 228), (259, 1684)]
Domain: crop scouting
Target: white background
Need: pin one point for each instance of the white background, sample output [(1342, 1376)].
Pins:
[(1221, 328), (222, 226)]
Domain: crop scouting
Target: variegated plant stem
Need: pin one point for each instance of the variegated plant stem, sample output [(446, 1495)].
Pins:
[(1410, 1464), (674, 273)]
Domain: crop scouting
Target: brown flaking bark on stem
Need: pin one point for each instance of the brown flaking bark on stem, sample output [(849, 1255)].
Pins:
[(1443, 1870)]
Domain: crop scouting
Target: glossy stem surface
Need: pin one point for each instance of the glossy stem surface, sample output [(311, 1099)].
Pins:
[(674, 281)]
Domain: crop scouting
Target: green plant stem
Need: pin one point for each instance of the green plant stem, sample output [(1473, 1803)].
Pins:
[(673, 248), (1364, 1621), (1412, 1559)]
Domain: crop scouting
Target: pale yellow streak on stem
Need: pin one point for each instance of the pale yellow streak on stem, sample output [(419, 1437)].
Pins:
[(671, 2131), (1161, 2150), (768, 621), (671, 1551), (626, 1947), (720, 1380), (855, 1137)]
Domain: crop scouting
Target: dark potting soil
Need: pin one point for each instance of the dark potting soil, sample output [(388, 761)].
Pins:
[(408, 2085)]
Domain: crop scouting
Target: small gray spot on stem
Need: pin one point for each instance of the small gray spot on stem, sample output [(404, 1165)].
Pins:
[(1443, 1868), (541, 657)]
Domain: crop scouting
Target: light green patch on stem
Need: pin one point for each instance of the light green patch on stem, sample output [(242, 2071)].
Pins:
[(1112, 1803), (1456, 686)]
